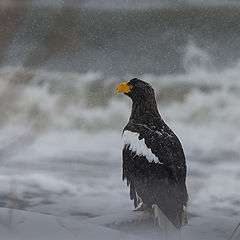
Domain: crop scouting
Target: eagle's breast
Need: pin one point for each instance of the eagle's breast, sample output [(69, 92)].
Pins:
[(138, 146)]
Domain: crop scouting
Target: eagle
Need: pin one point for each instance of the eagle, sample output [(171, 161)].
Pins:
[(154, 164)]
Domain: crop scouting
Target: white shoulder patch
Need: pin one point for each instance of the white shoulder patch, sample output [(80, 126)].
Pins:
[(138, 146)]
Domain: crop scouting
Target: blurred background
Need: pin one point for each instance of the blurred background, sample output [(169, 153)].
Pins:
[(60, 122)]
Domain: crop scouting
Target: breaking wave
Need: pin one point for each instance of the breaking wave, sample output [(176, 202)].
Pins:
[(201, 102)]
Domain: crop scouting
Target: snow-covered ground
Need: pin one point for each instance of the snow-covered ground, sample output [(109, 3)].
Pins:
[(127, 225)]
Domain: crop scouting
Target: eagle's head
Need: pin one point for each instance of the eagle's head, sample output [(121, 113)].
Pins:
[(136, 89)]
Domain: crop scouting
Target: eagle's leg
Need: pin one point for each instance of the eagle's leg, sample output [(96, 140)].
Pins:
[(144, 207)]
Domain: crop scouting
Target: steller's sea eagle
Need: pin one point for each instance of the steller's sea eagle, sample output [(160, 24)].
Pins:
[(153, 159)]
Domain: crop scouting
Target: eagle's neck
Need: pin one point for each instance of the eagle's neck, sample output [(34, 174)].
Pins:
[(144, 108)]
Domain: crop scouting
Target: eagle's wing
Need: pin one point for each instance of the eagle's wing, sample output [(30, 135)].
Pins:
[(160, 183)]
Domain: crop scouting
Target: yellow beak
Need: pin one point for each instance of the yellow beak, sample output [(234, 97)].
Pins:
[(123, 88)]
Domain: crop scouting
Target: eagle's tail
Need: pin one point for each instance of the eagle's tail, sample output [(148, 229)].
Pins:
[(165, 225)]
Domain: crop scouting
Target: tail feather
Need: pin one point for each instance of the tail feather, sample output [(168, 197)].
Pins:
[(163, 222), (134, 196), (184, 216)]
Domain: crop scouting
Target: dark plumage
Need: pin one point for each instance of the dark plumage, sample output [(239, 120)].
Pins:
[(155, 168)]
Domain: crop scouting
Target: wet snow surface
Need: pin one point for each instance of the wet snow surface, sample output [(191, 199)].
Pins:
[(18, 224)]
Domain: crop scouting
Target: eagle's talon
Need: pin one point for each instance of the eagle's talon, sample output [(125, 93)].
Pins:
[(143, 207)]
